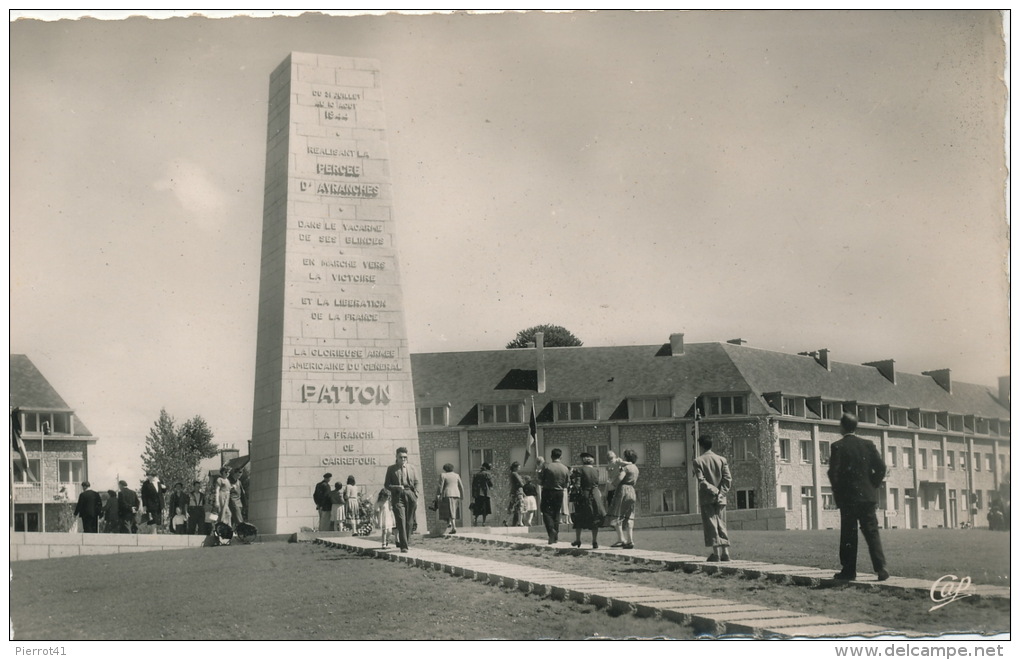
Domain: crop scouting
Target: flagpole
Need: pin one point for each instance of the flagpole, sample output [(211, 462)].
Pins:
[(10, 427), (42, 471)]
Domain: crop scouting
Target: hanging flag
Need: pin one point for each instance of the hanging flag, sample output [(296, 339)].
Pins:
[(532, 434), (18, 445)]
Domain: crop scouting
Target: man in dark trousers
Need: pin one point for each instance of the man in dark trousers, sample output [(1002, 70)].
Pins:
[(402, 482), (196, 509), (322, 502), (127, 509), (553, 477), (153, 500), (89, 508), (856, 471)]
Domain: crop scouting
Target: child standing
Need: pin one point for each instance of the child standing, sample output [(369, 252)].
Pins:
[(384, 516), (336, 515)]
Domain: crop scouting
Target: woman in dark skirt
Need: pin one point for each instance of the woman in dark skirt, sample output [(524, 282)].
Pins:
[(481, 488), (589, 509)]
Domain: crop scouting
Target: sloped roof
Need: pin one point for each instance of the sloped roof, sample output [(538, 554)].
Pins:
[(613, 374), (31, 391), (771, 371)]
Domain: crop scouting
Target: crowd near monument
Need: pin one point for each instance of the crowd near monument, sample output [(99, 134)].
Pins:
[(333, 388)]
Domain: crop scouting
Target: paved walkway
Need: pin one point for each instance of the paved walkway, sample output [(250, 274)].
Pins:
[(713, 616), (798, 575)]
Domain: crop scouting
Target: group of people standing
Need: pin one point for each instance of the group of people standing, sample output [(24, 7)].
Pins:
[(125, 511), (339, 505)]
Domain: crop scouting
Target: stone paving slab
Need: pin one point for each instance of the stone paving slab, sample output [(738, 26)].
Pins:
[(799, 575), (712, 615)]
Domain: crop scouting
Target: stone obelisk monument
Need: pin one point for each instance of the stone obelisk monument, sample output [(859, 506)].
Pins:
[(332, 373)]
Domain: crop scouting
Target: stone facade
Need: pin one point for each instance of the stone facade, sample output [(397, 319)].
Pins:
[(333, 389)]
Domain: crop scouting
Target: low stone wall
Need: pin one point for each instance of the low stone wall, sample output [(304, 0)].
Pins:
[(46, 545), (736, 519)]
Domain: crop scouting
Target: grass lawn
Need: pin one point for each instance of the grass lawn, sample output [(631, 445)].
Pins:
[(286, 591), (301, 591)]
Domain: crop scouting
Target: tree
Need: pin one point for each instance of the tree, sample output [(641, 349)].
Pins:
[(175, 452), (554, 335)]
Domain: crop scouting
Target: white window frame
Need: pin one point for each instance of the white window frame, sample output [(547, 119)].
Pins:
[(807, 452), (664, 500), (568, 406), (21, 478), (659, 407), (747, 494), (482, 455), (72, 462), (716, 405), (494, 410), (431, 421), (784, 443)]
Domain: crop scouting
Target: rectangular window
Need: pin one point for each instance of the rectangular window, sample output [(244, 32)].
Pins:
[(600, 452), (956, 423), (479, 456), (444, 456), (928, 420), (936, 458), (890, 457), (894, 499), (824, 448), (831, 410), (908, 458), (26, 521), (964, 498), (977, 500), (71, 471), (806, 455), (664, 500), (745, 499), (784, 450), (963, 460), (989, 462), (922, 459), (53, 422), (743, 449), (951, 459), (867, 414), (793, 406), (575, 411), (21, 478), (500, 413), (828, 501), (897, 417), (977, 462), (650, 408), (432, 416), (672, 453), (786, 497), (726, 405)]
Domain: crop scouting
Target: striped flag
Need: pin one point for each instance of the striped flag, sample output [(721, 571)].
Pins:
[(18, 445), (532, 434)]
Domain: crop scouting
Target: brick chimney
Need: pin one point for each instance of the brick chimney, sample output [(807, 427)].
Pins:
[(942, 377), (1004, 390), (676, 343), (885, 367), (540, 357)]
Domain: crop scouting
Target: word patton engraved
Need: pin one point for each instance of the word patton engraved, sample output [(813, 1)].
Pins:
[(332, 361)]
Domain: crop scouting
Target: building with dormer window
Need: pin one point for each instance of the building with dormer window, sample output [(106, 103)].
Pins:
[(57, 444), (773, 415)]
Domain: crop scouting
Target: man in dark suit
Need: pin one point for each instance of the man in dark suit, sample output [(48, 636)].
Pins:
[(322, 502), (89, 508), (152, 499), (127, 508), (856, 470), (402, 482)]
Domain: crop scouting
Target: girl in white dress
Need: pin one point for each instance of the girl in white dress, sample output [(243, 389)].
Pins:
[(336, 514), (384, 516)]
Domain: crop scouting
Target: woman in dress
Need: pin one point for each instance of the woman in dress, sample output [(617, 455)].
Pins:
[(516, 505), (589, 510), (336, 514), (450, 494), (351, 505), (530, 501), (481, 489), (624, 501), (223, 496)]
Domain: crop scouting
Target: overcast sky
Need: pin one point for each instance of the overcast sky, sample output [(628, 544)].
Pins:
[(800, 180)]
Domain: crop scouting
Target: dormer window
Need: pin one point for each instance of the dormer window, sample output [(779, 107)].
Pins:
[(575, 411), (434, 416), (793, 406), (500, 413), (730, 404), (54, 422), (650, 408)]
